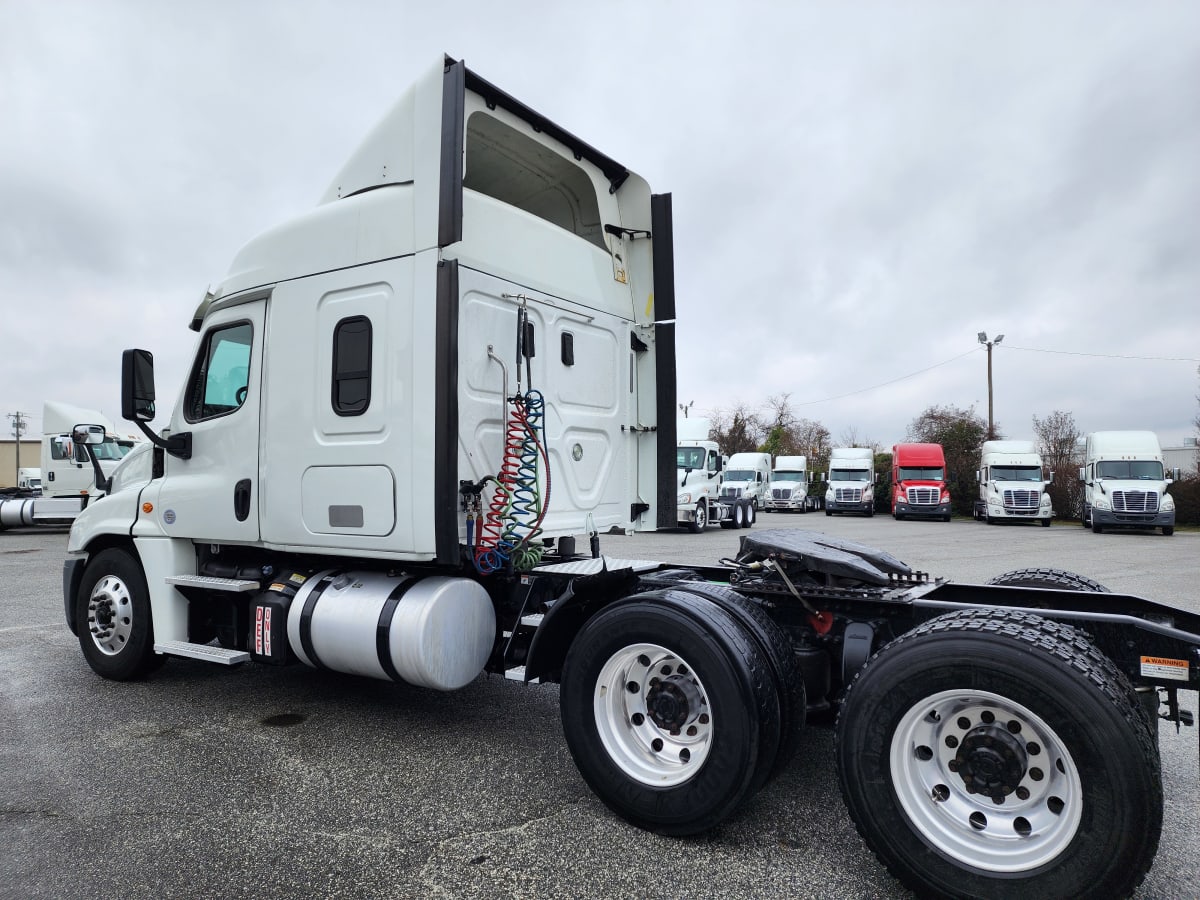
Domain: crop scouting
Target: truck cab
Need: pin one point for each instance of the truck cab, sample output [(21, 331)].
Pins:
[(1125, 482), (30, 479), (747, 477), (790, 486), (1011, 484), (919, 482), (851, 481)]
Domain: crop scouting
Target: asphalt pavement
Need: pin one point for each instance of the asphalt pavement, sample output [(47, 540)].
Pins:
[(202, 781)]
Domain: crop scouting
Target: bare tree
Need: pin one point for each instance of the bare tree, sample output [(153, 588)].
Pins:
[(738, 430), (1058, 444)]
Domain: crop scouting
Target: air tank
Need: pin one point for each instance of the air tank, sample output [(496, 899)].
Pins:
[(432, 631)]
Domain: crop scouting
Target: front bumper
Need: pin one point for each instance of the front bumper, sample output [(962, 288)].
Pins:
[(860, 506), (908, 509), (1134, 520)]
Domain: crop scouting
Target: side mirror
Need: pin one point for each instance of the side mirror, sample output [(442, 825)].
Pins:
[(1081, 476), (1050, 480), (137, 386), (979, 476), (88, 434), (1174, 474)]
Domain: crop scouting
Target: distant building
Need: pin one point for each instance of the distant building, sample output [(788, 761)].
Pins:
[(31, 457), (1182, 456)]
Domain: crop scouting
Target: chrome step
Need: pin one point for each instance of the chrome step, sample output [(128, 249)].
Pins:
[(205, 652), (533, 619), (233, 585)]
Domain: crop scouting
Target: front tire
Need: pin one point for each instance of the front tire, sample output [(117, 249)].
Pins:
[(112, 612), (1168, 530), (700, 522), (670, 711), (995, 753)]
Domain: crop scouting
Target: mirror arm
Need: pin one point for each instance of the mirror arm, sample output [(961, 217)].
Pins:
[(179, 445), (102, 483)]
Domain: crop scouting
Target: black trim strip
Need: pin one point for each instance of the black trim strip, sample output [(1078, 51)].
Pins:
[(450, 184), (661, 224), (445, 404), (383, 628), (306, 614)]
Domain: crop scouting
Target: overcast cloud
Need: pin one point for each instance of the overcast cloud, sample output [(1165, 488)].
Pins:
[(858, 189)]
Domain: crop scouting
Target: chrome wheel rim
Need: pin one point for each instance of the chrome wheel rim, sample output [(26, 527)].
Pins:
[(110, 615), (986, 781), (652, 715)]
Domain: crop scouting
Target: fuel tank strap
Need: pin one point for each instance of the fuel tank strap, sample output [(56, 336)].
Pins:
[(383, 628), (306, 615)]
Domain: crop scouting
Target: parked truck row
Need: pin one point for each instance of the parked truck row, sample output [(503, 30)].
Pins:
[(447, 378)]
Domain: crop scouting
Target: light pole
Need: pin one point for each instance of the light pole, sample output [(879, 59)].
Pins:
[(686, 406), (983, 339)]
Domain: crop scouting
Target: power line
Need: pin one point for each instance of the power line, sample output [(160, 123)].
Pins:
[(886, 383), (1106, 355)]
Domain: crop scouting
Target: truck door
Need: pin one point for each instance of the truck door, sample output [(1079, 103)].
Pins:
[(214, 495)]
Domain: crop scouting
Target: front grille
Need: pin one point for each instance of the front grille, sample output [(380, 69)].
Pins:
[(1134, 501), (1016, 500), (781, 493), (848, 495), (924, 496), (730, 493)]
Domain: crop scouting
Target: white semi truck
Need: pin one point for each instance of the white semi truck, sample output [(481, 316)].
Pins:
[(851, 480), (405, 405), (700, 472), (790, 486), (1125, 482), (747, 477), (72, 473), (1012, 485)]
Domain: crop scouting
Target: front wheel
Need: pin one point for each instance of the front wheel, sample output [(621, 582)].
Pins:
[(995, 753), (699, 523), (112, 614), (670, 711), (1168, 530)]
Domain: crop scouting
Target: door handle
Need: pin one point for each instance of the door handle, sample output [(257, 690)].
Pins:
[(241, 499)]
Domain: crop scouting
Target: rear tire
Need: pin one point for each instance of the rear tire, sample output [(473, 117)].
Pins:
[(113, 619), (751, 517), (670, 711), (1028, 708), (1057, 579)]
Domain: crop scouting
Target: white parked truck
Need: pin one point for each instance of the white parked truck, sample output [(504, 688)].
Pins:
[(1125, 482), (73, 472), (851, 480), (1012, 485), (30, 479), (790, 486), (699, 473), (405, 405), (747, 477)]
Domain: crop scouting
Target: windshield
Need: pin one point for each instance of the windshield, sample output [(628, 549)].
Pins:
[(1133, 469), (1016, 473), (110, 449), (849, 475), (689, 457), (787, 475), (921, 473), (739, 475)]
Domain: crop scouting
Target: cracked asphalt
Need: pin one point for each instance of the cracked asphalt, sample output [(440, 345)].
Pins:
[(286, 782)]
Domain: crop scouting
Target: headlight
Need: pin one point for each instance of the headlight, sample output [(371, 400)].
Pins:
[(1101, 502), (1167, 504), (683, 500), (945, 497), (1045, 500), (829, 495)]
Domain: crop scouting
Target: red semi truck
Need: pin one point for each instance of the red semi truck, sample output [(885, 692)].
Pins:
[(919, 482)]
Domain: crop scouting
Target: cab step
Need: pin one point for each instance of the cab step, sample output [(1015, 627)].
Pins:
[(208, 582), (517, 673), (205, 652)]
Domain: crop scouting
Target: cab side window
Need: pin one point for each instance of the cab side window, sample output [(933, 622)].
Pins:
[(352, 366), (220, 378)]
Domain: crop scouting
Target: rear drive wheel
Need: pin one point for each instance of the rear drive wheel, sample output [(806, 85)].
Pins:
[(751, 517), (112, 615), (994, 753), (1056, 579), (670, 711)]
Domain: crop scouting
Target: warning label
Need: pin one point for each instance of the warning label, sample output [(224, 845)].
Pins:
[(1163, 667)]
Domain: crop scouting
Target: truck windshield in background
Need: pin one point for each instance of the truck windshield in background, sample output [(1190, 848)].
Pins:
[(1016, 473), (739, 475), (852, 475), (1134, 470), (921, 473)]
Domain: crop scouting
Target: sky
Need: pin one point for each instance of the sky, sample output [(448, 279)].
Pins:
[(858, 189)]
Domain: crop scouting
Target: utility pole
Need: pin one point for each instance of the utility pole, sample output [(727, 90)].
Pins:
[(18, 426), (983, 339)]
